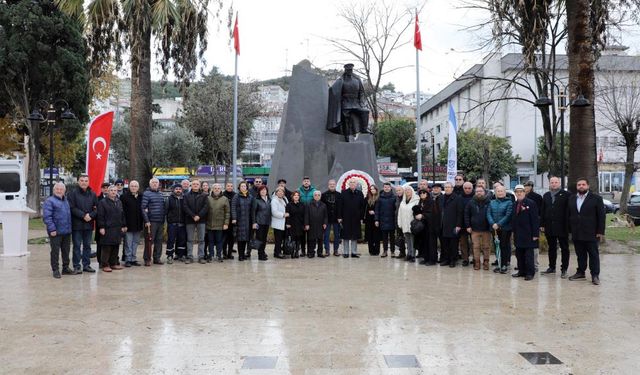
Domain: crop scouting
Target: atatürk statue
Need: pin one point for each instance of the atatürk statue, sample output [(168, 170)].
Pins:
[(347, 113)]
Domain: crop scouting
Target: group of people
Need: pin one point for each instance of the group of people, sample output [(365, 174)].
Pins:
[(439, 223)]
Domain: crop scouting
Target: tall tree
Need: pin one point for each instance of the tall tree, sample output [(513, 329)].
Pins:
[(42, 57), (179, 29), (620, 114), (377, 31), (483, 155), (397, 140), (206, 112)]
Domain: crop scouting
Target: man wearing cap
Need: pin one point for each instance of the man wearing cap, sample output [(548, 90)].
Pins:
[(435, 227), (347, 114), (104, 189), (153, 213), (526, 230), (176, 228), (120, 187), (528, 189)]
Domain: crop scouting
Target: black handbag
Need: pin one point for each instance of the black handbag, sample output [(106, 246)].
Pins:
[(417, 226), (289, 245), (254, 243)]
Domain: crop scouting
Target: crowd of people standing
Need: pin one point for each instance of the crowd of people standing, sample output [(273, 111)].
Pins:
[(440, 223)]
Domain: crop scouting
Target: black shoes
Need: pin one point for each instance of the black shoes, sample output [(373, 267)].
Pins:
[(127, 264), (577, 276), (465, 263), (595, 280), (345, 255), (548, 270), (517, 274), (452, 265), (135, 263), (444, 264), (321, 255), (528, 278), (94, 254), (56, 274), (355, 255), (89, 269), (220, 260), (158, 261), (263, 258), (202, 261), (66, 271), (563, 275)]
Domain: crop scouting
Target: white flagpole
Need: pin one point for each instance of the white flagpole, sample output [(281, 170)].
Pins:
[(418, 139), (235, 124)]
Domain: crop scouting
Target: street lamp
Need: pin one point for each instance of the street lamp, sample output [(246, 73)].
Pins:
[(433, 152), (52, 110), (546, 102)]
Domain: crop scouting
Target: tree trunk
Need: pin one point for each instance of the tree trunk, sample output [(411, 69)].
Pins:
[(629, 169), (33, 170), (140, 148), (582, 135)]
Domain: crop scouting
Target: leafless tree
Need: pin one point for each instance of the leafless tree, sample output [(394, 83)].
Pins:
[(619, 113), (378, 29)]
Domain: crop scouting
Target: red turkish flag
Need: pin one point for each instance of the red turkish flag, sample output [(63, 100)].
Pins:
[(98, 149), (417, 39), (236, 37)]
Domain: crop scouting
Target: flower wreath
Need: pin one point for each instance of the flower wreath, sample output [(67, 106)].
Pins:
[(363, 179)]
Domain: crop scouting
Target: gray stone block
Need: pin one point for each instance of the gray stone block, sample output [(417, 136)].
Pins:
[(305, 147)]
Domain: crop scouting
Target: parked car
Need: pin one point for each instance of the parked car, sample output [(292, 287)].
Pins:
[(633, 207), (610, 207)]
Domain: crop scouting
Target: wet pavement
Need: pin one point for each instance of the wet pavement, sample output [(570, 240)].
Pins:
[(316, 316)]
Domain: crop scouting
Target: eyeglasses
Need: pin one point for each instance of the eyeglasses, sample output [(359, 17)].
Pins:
[(458, 179)]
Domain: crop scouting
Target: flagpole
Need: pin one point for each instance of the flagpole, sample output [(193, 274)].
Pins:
[(418, 139), (235, 124)]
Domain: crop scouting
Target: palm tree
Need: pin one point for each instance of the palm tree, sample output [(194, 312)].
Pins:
[(580, 51), (115, 27)]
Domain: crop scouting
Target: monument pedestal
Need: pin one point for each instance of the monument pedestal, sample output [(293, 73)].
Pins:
[(359, 155)]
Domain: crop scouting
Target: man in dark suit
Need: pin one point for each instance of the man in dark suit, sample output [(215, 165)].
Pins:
[(586, 223), (553, 214), (526, 230), (452, 218)]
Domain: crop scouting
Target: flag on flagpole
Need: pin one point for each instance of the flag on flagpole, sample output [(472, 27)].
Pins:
[(417, 39), (236, 37), (98, 142), (452, 159)]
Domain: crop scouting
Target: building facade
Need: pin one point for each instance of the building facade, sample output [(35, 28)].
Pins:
[(482, 100)]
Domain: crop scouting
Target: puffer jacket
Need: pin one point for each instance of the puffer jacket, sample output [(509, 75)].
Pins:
[(500, 212), (219, 212), (241, 213), (306, 196), (57, 215), (261, 211), (386, 211), (475, 215), (153, 209)]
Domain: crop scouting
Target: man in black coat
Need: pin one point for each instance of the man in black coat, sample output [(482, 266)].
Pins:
[(196, 207), (132, 207), (315, 223), (526, 231), (351, 217), (452, 218), (84, 209), (553, 222), (333, 200), (586, 223), (229, 239), (435, 224)]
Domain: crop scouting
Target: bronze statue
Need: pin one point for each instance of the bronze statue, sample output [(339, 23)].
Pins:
[(347, 113)]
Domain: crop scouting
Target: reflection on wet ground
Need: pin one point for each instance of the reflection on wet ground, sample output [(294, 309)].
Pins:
[(316, 316)]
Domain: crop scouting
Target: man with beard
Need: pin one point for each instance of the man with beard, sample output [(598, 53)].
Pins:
[(475, 218), (586, 222)]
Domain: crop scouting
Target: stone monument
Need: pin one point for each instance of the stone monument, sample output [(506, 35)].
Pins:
[(305, 147)]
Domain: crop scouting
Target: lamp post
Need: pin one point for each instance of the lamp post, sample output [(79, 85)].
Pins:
[(433, 152), (546, 102), (52, 109)]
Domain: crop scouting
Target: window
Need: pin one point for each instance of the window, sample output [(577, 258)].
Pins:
[(635, 199), (438, 129), (9, 182)]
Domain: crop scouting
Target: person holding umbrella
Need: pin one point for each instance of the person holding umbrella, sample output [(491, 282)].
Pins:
[(499, 216)]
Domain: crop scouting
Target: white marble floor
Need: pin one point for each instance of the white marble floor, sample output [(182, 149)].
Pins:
[(316, 316)]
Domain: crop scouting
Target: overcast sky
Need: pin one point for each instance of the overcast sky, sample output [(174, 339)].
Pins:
[(276, 34)]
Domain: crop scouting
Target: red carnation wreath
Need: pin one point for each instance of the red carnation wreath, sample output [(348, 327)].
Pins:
[(362, 178)]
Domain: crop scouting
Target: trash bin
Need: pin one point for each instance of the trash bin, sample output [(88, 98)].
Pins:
[(14, 213)]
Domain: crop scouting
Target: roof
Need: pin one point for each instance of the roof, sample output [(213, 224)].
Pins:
[(453, 88)]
